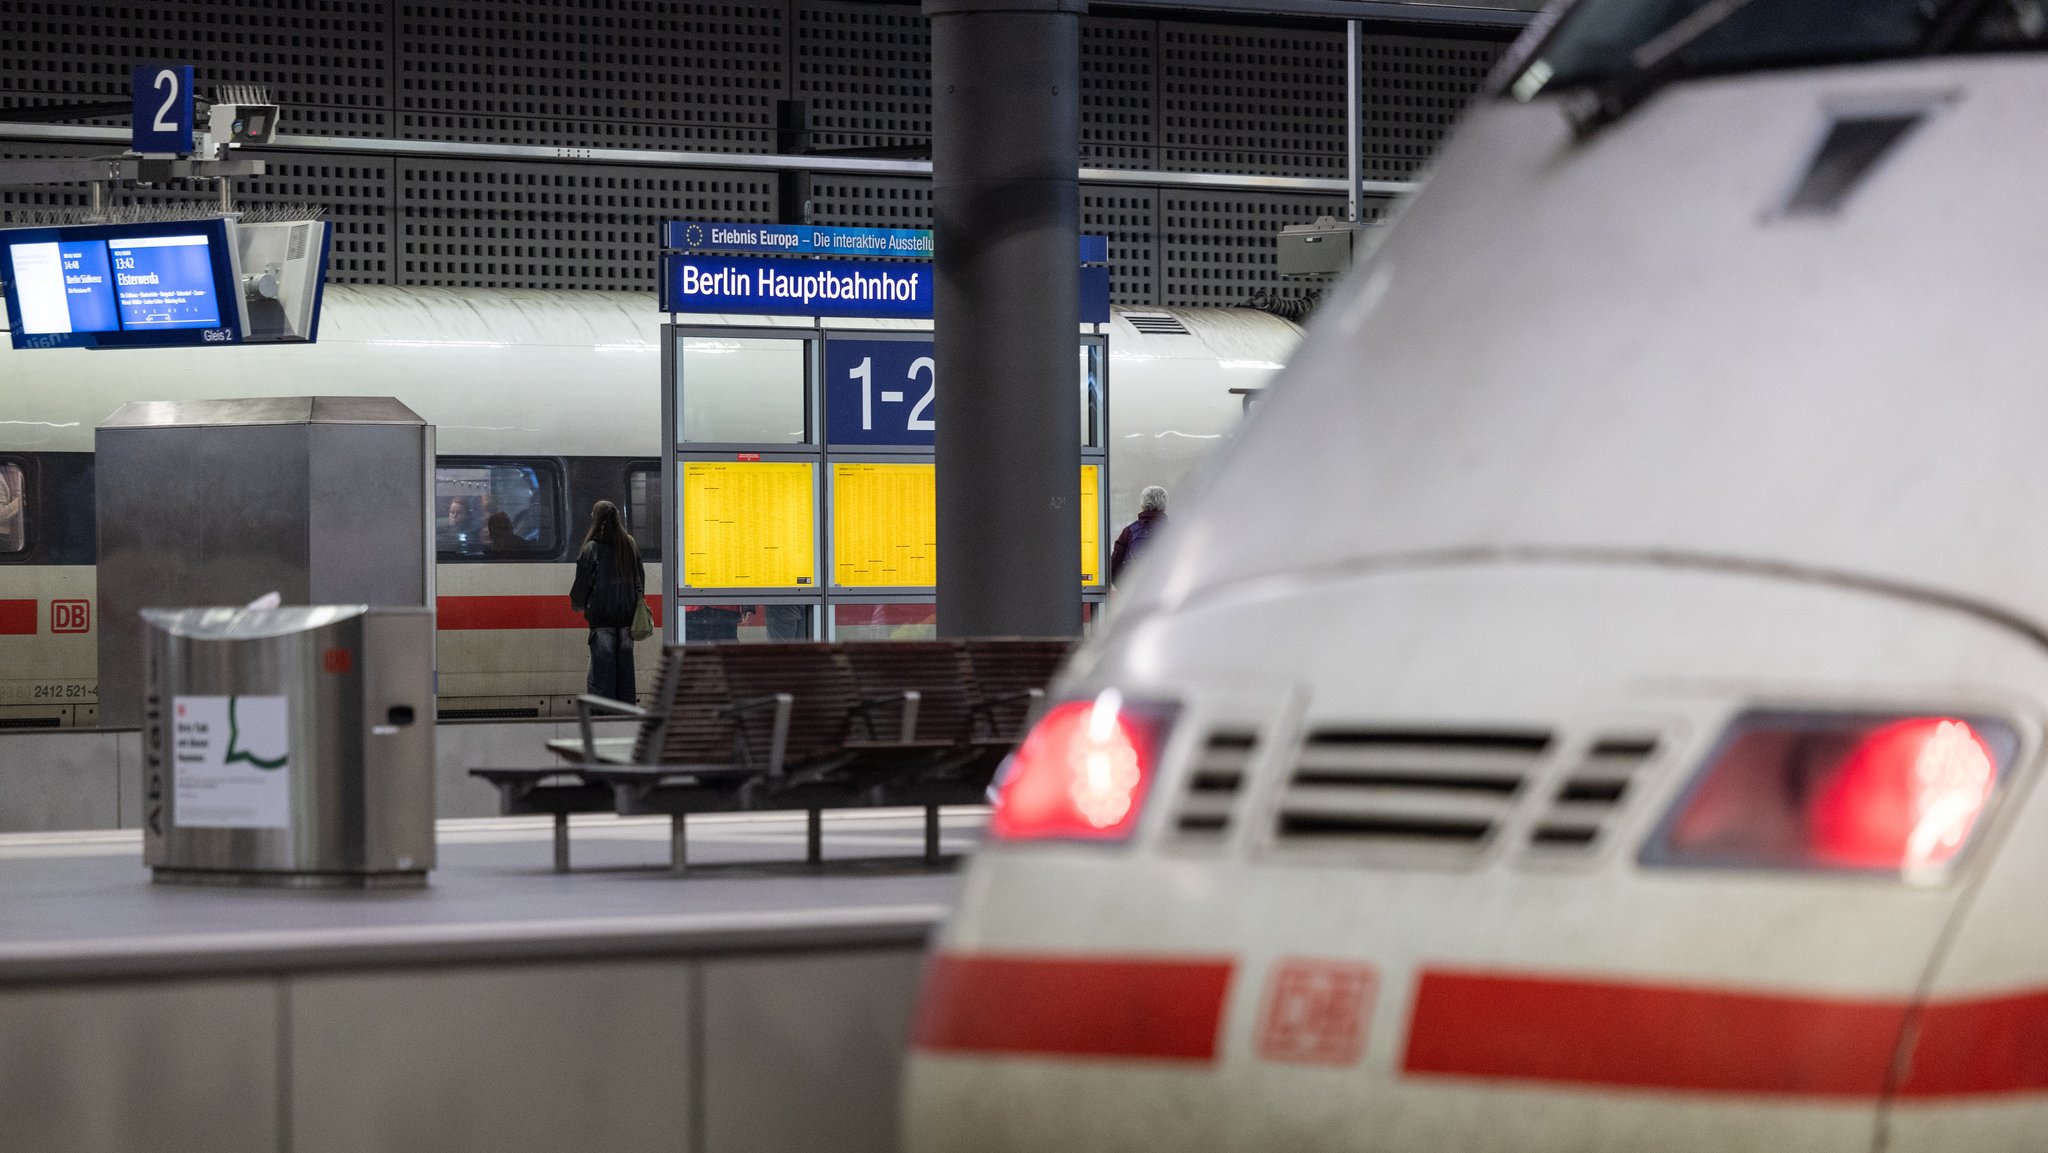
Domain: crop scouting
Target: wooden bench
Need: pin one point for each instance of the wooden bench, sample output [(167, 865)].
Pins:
[(796, 726)]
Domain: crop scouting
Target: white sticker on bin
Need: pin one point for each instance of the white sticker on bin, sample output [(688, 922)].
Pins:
[(231, 766)]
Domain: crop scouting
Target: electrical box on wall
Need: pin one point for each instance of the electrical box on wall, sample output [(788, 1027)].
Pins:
[(1326, 248)]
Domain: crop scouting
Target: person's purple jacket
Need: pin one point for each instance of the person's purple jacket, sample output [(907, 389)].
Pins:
[(1132, 540)]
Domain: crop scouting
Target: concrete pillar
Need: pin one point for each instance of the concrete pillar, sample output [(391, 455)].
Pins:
[(1006, 79)]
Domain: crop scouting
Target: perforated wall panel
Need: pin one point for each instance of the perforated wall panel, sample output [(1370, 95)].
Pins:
[(1130, 218), (539, 72), (1413, 90), (327, 60), (1119, 93), (555, 225), (866, 72), (871, 201), (705, 75), (1260, 100), (1222, 248)]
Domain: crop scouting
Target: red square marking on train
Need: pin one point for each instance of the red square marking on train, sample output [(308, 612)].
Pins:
[(70, 616), (1316, 1012), (338, 660)]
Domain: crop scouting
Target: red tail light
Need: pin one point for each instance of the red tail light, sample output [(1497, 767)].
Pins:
[(1841, 792), (1081, 773)]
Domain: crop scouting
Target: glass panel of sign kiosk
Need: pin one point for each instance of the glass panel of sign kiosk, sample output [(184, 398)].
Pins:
[(799, 448)]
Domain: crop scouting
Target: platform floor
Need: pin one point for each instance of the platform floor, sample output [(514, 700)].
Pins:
[(82, 906)]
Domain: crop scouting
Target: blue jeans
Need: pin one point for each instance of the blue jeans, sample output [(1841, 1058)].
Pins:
[(611, 664)]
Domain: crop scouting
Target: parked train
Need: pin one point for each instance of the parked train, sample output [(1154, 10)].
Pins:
[(544, 403), (1609, 716)]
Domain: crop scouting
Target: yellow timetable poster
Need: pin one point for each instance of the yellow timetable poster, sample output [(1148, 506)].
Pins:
[(1091, 524), (748, 524), (884, 525)]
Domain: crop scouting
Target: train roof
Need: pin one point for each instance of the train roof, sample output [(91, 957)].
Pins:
[(1627, 349), (499, 371)]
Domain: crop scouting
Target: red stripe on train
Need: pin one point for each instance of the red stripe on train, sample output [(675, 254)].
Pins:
[(1498, 1026), (1492, 1025), (1990, 1045), (1157, 1009), (17, 618), (513, 612)]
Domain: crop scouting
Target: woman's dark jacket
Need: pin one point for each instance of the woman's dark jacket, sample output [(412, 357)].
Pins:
[(1132, 540), (604, 595)]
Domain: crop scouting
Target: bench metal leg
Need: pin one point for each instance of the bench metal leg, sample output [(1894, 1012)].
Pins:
[(561, 842), (814, 837), (931, 834), (678, 844)]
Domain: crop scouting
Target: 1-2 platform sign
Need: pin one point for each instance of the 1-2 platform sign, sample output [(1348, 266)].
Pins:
[(881, 392)]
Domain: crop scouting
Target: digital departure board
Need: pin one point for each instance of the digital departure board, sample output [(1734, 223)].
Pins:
[(116, 285)]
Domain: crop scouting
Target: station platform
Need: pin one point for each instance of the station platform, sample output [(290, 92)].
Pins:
[(754, 1002)]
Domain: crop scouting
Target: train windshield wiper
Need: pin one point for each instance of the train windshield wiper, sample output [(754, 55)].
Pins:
[(1654, 63)]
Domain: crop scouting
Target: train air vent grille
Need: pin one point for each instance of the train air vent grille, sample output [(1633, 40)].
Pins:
[(1157, 323), (1208, 807), (1851, 151), (1592, 793), (1426, 797)]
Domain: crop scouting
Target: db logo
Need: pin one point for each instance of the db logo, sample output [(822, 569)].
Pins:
[(70, 616), (1316, 1012)]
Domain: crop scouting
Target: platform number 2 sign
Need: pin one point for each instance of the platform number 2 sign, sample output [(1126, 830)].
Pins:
[(161, 117), (880, 391)]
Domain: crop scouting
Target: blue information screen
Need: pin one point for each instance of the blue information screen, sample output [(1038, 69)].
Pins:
[(112, 285), (880, 392), (164, 282)]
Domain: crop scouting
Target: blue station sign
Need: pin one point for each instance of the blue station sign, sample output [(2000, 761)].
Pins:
[(880, 392), (798, 239), (773, 286)]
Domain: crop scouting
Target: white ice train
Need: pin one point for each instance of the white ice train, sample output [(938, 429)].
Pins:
[(544, 402), (1597, 702)]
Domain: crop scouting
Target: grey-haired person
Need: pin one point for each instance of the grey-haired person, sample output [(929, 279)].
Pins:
[(1131, 541)]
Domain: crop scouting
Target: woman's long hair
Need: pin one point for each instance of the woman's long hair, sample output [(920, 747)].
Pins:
[(607, 529)]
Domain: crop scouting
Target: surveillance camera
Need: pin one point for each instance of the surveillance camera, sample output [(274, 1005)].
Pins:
[(232, 124)]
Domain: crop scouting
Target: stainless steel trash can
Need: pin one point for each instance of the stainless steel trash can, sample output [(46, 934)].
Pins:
[(289, 746)]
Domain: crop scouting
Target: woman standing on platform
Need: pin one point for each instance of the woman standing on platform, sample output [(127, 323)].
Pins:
[(610, 592)]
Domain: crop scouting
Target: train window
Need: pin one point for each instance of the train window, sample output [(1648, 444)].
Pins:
[(885, 622), (1091, 396), (738, 622), (744, 390), (643, 508), (13, 508), (489, 510)]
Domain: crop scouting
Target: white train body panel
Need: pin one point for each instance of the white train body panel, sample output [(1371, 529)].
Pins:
[(1598, 447), (526, 374)]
